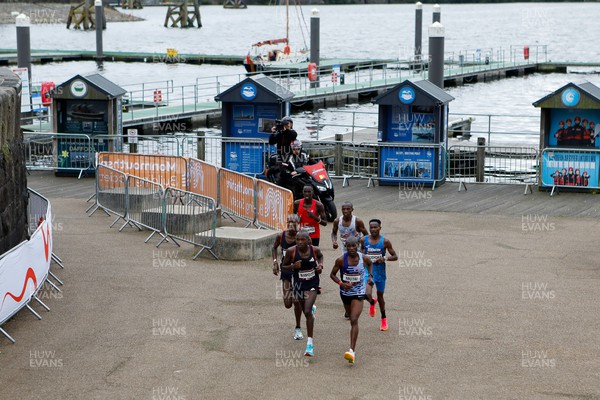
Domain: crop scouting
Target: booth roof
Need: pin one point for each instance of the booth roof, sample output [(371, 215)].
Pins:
[(431, 90), (264, 81), (587, 87), (99, 82)]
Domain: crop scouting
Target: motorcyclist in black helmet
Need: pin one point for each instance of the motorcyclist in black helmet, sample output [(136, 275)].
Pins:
[(296, 159)]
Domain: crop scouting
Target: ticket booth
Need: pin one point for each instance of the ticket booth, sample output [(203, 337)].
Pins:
[(89, 105), (249, 110), (569, 128), (413, 133)]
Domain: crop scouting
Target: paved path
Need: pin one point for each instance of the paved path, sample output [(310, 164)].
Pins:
[(485, 303)]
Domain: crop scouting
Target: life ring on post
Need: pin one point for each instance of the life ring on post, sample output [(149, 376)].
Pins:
[(312, 72)]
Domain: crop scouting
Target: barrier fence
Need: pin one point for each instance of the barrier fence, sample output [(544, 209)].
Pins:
[(493, 164), (569, 168), (145, 205), (25, 268), (273, 205), (192, 218), (58, 151), (236, 195)]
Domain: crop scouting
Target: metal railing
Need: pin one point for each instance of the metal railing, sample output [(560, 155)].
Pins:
[(58, 151)]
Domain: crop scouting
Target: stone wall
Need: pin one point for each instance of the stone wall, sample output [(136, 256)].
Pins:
[(13, 179)]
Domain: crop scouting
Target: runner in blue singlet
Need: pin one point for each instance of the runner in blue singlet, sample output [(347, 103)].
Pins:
[(355, 271), (375, 246)]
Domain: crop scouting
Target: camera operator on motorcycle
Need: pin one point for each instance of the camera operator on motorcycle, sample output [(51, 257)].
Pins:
[(291, 162), (283, 135)]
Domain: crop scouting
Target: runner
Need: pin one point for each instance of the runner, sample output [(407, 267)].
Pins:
[(348, 225), (375, 246), (286, 240), (306, 262), (312, 214), (355, 271)]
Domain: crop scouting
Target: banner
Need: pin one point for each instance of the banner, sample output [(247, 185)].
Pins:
[(24, 269), (273, 205), (169, 171), (570, 168), (202, 178), (237, 193)]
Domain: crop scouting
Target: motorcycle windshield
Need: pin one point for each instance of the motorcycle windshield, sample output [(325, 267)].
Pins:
[(317, 171)]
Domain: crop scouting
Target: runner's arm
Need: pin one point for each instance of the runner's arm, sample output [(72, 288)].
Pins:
[(319, 260), (369, 265), (388, 246), (274, 254), (334, 233), (322, 216), (360, 227), (287, 260)]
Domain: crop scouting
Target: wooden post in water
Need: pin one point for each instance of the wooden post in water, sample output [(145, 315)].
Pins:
[(179, 15), (480, 160)]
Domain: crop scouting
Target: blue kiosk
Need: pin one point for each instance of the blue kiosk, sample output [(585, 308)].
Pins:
[(569, 130), (413, 129), (249, 110)]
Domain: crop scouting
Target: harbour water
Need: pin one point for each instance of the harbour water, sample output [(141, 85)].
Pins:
[(356, 31)]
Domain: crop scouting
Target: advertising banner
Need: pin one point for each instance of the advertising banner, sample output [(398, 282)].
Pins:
[(407, 163), (237, 193), (24, 269), (566, 168)]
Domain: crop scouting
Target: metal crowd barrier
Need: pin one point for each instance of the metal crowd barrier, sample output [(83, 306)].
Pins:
[(62, 151), (273, 204), (145, 206), (164, 170), (569, 168), (192, 218), (236, 195), (493, 164), (111, 192), (37, 208), (203, 178)]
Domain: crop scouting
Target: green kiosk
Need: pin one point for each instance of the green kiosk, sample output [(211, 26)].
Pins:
[(88, 105)]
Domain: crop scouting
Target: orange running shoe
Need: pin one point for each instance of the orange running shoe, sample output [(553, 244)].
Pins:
[(372, 309), (384, 325), (349, 355)]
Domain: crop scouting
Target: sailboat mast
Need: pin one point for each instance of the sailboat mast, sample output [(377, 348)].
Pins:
[(287, 21)]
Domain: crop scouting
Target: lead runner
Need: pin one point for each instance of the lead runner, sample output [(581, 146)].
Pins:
[(354, 268)]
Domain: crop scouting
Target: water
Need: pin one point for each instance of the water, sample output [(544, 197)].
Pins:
[(356, 31)]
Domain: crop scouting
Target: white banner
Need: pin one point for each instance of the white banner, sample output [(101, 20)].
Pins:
[(24, 269)]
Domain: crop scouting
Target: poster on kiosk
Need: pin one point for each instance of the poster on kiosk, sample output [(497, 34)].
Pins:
[(250, 111), (569, 144), (413, 133)]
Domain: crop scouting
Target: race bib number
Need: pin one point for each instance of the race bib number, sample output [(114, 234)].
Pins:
[(351, 278), (306, 275), (308, 229), (374, 257)]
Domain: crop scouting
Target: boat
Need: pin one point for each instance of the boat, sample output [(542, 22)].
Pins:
[(276, 53)]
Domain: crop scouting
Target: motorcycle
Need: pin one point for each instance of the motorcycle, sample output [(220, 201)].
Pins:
[(315, 176)]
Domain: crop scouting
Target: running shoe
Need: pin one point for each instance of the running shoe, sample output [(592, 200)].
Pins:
[(314, 310), (298, 334), (384, 326), (309, 350), (372, 309), (346, 315), (349, 355)]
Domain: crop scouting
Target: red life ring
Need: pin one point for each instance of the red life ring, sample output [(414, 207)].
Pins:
[(286, 49), (312, 72)]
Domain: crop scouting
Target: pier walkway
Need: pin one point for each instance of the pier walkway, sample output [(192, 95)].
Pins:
[(478, 307)]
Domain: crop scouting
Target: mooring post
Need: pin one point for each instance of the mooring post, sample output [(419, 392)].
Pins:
[(339, 154), (437, 13), (201, 146), (436, 54), (418, 31), (315, 26), (99, 10), (23, 24), (480, 160)]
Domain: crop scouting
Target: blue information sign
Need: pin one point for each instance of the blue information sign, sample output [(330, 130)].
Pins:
[(408, 164), (246, 158)]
